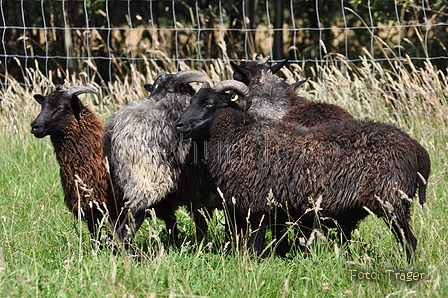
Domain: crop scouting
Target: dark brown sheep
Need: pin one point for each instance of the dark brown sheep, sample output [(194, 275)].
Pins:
[(262, 83), (77, 134), (335, 173)]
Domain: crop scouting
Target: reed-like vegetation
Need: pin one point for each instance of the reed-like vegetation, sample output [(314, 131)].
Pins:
[(45, 252)]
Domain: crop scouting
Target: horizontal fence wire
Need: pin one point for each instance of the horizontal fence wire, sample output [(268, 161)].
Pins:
[(107, 37), (110, 39)]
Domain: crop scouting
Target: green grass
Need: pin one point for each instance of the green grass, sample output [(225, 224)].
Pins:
[(45, 252)]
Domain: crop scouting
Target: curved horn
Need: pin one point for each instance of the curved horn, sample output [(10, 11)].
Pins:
[(264, 60), (76, 90), (191, 75), (237, 86)]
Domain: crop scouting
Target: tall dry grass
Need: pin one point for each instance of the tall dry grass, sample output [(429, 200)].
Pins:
[(62, 263)]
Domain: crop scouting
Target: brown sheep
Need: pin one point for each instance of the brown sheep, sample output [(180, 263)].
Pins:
[(77, 135)]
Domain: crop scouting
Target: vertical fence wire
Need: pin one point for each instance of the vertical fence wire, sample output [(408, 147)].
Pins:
[(345, 28), (271, 53), (4, 27), (246, 32), (294, 28), (109, 32), (45, 36), (130, 42), (176, 33), (426, 28), (25, 50), (372, 46), (198, 20), (66, 33), (153, 29), (320, 37), (398, 37), (221, 39)]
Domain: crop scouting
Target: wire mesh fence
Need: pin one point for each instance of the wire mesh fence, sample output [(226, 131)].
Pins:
[(110, 39)]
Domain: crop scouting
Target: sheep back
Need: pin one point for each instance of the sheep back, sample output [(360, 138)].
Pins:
[(350, 164), (315, 113)]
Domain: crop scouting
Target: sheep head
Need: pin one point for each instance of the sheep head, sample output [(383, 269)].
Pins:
[(57, 108), (249, 69), (208, 103), (176, 83)]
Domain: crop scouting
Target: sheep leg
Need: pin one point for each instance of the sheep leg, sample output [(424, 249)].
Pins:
[(95, 233), (95, 217), (200, 222), (165, 210), (236, 226), (280, 230), (283, 246), (170, 219), (236, 230), (171, 228), (409, 241), (130, 225), (346, 232), (258, 225), (302, 234)]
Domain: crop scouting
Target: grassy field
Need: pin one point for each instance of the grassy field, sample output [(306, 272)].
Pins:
[(45, 252)]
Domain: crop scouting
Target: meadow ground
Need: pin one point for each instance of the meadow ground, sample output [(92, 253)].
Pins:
[(45, 252)]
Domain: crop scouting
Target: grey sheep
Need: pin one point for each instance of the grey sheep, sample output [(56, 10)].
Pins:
[(77, 134), (146, 156), (273, 97), (334, 173)]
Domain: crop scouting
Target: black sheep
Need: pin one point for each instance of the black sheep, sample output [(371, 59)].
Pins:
[(350, 167)]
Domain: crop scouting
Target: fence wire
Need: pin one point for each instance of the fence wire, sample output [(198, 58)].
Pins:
[(109, 38)]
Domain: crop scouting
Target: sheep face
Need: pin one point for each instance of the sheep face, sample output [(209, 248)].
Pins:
[(57, 109), (168, 83), (247, 70), (206, 106)]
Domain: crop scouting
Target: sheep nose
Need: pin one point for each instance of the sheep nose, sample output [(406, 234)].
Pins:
[(34, 126), (179, 126)]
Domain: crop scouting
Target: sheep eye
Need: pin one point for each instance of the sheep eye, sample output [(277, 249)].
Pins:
[(60, 109), (234, 98), (209, 105)]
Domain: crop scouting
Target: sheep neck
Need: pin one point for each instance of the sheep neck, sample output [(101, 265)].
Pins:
[(80, 154)]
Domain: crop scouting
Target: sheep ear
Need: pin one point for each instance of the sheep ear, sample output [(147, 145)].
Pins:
[(275, 68), (148, 87), (39, 98), (237, 68), (76, 106), (298, 84)]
